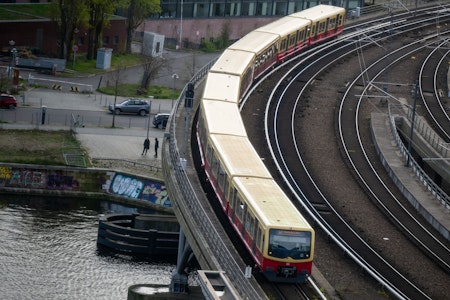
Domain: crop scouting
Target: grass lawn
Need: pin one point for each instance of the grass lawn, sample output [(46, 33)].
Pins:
[(28, 146)]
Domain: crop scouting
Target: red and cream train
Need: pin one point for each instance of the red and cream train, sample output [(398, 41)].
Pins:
[(277, 236)]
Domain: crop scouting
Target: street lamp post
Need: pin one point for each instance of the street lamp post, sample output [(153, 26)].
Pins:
[(13, 54), (181, 23), (175, 77)]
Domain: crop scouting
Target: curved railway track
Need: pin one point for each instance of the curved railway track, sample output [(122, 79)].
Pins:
[(324, 192), (431, 87)]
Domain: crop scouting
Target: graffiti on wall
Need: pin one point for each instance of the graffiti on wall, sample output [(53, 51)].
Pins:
[(136, 188), (22, 177), (35, 179), (61, 182)]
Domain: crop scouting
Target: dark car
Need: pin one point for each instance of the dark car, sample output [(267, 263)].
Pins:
[(160, 120), (131, 106), (8, 101)]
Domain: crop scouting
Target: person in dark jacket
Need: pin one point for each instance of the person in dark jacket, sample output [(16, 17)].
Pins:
[(146, 146), (156, 147)]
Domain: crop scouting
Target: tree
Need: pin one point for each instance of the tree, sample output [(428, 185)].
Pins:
[(99, 12), (152, 66), (68, 15), (137, 11)]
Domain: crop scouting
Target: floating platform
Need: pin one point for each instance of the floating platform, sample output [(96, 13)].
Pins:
[(139, 234)]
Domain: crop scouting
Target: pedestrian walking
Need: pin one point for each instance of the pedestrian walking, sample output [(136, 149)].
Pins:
[(156, 147), (146, 146)]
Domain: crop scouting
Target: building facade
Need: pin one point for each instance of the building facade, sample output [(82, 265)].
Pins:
[(188, 23)]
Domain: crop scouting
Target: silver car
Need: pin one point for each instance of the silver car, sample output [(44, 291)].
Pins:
[(131, 106)]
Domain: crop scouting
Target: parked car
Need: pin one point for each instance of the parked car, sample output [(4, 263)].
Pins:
[(131, 106), (8, 101), (160, 120)]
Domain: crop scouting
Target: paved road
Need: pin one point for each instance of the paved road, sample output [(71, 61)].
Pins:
[(101, 142)]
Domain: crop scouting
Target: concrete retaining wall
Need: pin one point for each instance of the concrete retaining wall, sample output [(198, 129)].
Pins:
[(82, 182)]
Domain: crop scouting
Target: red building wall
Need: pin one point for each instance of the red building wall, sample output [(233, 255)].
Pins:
[(42, 36)]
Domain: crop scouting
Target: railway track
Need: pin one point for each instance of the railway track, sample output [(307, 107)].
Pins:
[(331, 196), (432, 86)]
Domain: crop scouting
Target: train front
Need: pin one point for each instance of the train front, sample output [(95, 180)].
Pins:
[(288, 255)]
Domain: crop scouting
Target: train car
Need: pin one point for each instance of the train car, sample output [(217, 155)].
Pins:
[(222, 87), (274, 232), (280, 240), (327, 21), (227, 156), (238, 63), (217, 117), (293, 35), (264, 45)]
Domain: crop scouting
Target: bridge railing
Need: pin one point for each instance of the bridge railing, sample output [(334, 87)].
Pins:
[(431, 186)]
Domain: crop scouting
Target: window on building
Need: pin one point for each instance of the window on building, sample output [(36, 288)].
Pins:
[(248, 8), (263, 8), (233, 9), (116, 40), (169, 9), (105, 40), (280, 8), (217, 9), (201, 9)]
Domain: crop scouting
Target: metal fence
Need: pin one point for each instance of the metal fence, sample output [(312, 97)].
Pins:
[(428, 134)]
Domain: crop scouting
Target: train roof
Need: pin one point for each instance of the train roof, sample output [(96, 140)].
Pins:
[(285, 26), (318, 12), (238, 157), (224, 87), (255, 42), (233, 62), (222, 118), (270, 203)]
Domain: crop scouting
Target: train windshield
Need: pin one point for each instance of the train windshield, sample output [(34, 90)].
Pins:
[(289, 243)]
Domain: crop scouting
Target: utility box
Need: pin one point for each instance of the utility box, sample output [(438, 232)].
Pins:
[(152, 44), (104, 58)]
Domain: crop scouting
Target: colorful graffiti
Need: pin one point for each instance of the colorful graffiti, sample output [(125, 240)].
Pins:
[(27, 178), (136, 188), (61, 182), (35, 179)]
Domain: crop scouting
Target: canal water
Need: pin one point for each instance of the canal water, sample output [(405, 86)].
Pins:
[(48, 251)]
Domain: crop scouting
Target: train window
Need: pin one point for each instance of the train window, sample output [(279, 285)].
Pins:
[(289, 243), (214, 166), (232, 197), (249, 224), (226, 189), (252, 226), (292, 40), (248, 219), (322, 27), (221, 177), (258, 236), (332, 23), (301, 36), (283, 45), (240, 209), (209, 154)]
